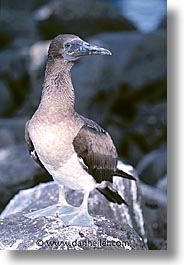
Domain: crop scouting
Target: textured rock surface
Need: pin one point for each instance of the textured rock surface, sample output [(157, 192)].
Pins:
[(154, 205), (15, 24), (12, 59), (46, 194), (50, 234), (153, 167), (14, 128), (5, 98), (82, 17), (17, 171)]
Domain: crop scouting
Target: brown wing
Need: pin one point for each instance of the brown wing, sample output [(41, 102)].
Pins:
[(30, 146), (94, 145)]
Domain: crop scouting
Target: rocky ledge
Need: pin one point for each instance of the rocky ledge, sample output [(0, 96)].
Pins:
[(116, 226), (50, 233)]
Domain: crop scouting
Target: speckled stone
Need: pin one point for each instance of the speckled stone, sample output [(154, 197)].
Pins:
[(21, 233)]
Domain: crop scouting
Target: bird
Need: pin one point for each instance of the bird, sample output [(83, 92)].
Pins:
[(76, 151)]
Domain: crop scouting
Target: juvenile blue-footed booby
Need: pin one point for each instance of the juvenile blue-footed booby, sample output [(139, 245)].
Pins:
[(76, 151)]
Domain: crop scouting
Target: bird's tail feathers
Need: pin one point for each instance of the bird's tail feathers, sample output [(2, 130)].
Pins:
[(112, 195), (123, 174)]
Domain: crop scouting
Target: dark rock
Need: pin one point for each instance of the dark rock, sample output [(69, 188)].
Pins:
[(162, 184), (14, 74), (17, 171), (163, 23), (154, 205), (146, 132), (101, 76), (50, 234), (37, 54), (153, 166), (23, 5), (12, 130), (155, 215), (5, 98), (147, 63), (6, 137), (47, 194), (15, 24), (84, 18), (153, 197)]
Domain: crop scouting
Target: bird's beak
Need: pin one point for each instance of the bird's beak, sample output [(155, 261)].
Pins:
[(88, 49), (83, 48)]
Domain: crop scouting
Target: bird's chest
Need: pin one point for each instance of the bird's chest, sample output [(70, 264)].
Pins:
[(52, 142)]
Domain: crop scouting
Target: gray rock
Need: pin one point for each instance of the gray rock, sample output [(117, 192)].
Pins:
[(6, 137), (154, 205), (26, 5), (50, 234), (163, 23), (145, 133), (154, 196), (153, 166), (16, 81), (5, 98), (162, 184), (17, 171), (84, 18), (37, 54), (12, 130), (15, 24), (98, 205), (147, 62)]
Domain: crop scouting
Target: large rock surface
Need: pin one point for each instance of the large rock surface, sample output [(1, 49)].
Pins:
[(5, 98), (154, 204), (81, 17), (15, 24), (50, 234), (12, 130), (17, 171), (14, 75), (46, 194)]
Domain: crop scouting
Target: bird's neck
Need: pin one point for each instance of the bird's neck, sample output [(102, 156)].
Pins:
[(58, 93)]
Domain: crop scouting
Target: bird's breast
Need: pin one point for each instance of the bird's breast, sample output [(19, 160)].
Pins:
[(52, 142)]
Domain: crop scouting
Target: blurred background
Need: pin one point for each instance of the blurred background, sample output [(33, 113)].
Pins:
[(126, 93)]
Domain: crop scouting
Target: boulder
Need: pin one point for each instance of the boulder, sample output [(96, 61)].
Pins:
[(50, 234), (146, 132), (5, 98), (14, 74), (17, 171), (37, 54), (23, 5), (6, 137), (15, 24), (154, 205), (46, 194), (153, 167), (83, 18), (12, 130)]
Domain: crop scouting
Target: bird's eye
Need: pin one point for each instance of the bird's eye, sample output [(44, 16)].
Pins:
[(68, 45)]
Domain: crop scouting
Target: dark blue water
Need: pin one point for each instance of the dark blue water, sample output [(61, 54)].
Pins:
[(145, 14)]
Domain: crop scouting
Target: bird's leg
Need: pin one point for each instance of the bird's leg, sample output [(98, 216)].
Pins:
[(70, 215), (57, 210), (82, 217), (61, 200)]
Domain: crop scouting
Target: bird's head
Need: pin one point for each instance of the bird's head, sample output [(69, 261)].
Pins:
[(71, 48)]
